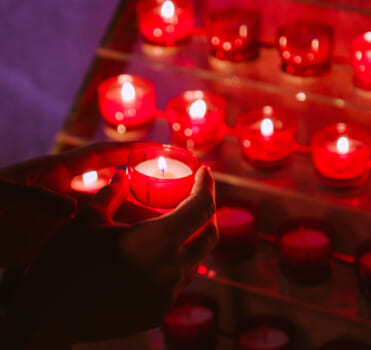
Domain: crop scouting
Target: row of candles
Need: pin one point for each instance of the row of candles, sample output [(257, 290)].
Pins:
[(196, 118), (161, 176), (192, 324), (305, 46)]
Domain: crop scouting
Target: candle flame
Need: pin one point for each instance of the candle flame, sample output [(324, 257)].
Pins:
[(267, 127), (367, 37), (90, 177), (162, 165), (127, 92), (167, 9), (342, 145), (198, 109)]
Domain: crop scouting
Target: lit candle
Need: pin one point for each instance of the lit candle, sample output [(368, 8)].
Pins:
[(191, 322), (361, 59), (267, 136), (237, 232), (265, 332), (197, 119), (233, 34), (340, 153), (165, 22), (305, 250), (127, 102), (363, 264), (305, 47), (92, 181), (161, 176)]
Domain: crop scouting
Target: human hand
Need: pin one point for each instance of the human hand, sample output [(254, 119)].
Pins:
[(34, 202), (96, 280)]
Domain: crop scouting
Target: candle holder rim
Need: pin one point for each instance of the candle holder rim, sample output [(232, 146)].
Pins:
[(225, 201), (105, 84), (307, 222), (347, 129), (320, 27), (268, 320), (182, 96), (194, 167)]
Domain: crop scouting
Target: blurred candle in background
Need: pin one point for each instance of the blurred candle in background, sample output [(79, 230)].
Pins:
[(305, 47), (165, 22)]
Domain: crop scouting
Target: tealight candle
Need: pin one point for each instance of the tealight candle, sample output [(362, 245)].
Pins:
[(191, 323), (305, 250), (265, 333), (127, 102), (267, 136), (305, 47), (197, 119), (363, 265), (161, 176), (361, 59), (340, 153), (237, 234), (165, 22), (92, 181), (233, 34)]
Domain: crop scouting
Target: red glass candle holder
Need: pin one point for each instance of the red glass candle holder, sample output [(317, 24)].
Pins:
[(267, 136), (237, 230), (233, 34), (165, 22), (305, 47), (345, 344), (361, 60), (86, 185), (305, 250), (197, 119), (127, 103), (363, 266), (191, 323), (265, 332), (341, 154), (161, 176)]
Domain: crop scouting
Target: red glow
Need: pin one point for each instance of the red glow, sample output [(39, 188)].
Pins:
[(196, 119), (233, 34), (267, 136), (341, 152), (165, 22), (127, 101), (157, 188), (202, 270), (305, 47), (361, 58)]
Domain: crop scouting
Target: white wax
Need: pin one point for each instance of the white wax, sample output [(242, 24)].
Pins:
[(264, 338), (175, 169), (189, 315)]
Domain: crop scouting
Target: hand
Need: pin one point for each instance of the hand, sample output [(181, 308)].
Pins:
[(33, 201), (96, 280)]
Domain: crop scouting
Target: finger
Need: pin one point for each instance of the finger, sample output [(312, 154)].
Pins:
[(193, 212), (37, 199), (200, 244), (110, 197), (97, 156), (184, 281)]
